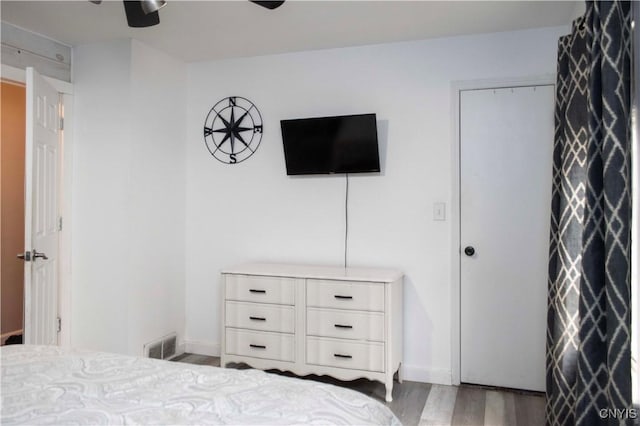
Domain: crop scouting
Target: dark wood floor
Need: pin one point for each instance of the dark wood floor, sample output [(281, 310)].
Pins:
[(425, 404)]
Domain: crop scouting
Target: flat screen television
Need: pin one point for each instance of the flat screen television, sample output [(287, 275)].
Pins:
[(325, 145)]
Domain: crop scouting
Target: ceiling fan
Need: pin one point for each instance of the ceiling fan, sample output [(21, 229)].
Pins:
[(144, 13)]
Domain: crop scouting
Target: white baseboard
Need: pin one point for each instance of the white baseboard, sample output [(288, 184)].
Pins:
[(202, 348), (416, 373), (180, 349)]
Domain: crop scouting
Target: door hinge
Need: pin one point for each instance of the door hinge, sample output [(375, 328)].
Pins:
[(58, 324), (61, 123), (60, 223)]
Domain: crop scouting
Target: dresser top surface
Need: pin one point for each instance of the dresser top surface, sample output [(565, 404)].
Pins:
[(315, 271)]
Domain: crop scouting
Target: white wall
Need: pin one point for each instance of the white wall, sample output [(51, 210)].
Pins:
[(253, 211), (578, 9), (128, 192)]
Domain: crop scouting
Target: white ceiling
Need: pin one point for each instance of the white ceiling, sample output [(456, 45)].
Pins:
[(204, 30)]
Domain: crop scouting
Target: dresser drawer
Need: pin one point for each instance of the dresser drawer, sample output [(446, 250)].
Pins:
[(345, 324), (345, 295), (345, 354), (277, 346), (249, 288), (258, 316)]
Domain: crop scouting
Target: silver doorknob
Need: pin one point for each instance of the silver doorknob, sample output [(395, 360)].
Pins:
[(26, 256)]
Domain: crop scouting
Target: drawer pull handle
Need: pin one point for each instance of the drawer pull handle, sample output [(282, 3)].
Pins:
[(257, 318), (253, 290), (337, 296), (342, 356), (342, 326), (258, 346)]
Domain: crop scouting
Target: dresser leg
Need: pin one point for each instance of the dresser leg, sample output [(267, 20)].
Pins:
[(389, 388), (400, 375)]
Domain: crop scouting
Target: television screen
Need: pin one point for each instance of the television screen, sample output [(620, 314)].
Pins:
[(342, 144)]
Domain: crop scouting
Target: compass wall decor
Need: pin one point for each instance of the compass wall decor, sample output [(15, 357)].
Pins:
[(233, 129)]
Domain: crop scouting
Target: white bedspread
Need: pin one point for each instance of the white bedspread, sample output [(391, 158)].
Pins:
[(50, 385)]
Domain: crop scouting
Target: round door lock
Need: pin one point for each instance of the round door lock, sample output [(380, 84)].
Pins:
[(469, 251)]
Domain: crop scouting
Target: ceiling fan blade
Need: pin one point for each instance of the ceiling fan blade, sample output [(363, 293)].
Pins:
[(268, 4), (136, 17)]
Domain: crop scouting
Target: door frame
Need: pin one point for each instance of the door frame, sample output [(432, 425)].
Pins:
[(65, 163), (456, 88)]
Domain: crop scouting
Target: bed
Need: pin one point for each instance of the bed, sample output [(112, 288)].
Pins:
[(53, 385)]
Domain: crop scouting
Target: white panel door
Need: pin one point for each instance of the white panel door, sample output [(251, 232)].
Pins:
[(506, 142), (41, 211)]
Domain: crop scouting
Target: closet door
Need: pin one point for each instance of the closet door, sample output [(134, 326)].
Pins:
[(506, 141), (41, 212)]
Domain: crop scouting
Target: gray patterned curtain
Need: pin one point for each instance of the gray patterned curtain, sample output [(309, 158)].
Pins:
[(588, 317)]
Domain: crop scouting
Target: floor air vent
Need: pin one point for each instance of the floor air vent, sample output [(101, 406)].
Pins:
[(169, 347), (163, 348), (155, 351)]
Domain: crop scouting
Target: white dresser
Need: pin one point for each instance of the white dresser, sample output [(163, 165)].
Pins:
[(341, 322)]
